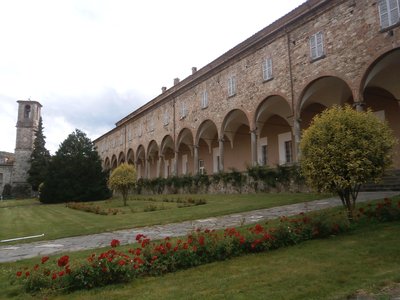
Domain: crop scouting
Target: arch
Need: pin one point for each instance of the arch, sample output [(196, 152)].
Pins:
[(207, 142), (167, 153), (140, 161), (273, 119), (121, 158), (114, 162), (130, 157), (235, 130), (381, 92), (152, 159), (107, 164), (320, 94), (185, 149)]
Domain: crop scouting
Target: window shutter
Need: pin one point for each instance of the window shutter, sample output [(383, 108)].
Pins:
[(320, 44), (384, 13), (269, 68), (313, 47), (394, 11)]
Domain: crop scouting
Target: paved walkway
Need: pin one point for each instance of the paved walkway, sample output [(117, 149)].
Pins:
[(9, 253)]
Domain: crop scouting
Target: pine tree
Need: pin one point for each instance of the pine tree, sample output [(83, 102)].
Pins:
[(75, 172), (40, 158)]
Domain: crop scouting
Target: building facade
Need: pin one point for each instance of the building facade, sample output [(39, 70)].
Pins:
[(250, 105), (14, 167)]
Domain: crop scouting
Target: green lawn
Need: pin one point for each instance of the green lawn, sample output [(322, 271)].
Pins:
[(365, 259), (27, 217)]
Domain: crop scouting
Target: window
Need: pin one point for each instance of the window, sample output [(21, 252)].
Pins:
[(166, 118), (27, 111), (317, 45), (204, 100), (267, 69), (388, 12), (231, 86), (183, 111), (288, 152), (264, 155), (202, 169)]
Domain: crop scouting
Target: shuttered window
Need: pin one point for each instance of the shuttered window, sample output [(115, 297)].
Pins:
[(231, 86), (389, 12), (317, 45), (267, 69)]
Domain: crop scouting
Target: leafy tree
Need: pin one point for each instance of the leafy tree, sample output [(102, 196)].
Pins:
[(40, 158), (343, 149), (75, 173), (123, 179)]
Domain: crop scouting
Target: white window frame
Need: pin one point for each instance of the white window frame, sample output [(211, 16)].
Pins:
[(166, 118), (389, 13), (317, 45), (202, 169), (282, 138), (267, 69), (183, 111), (232, 86), (204, 99)]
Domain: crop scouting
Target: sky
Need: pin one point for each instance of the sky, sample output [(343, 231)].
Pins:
[(92, 62)]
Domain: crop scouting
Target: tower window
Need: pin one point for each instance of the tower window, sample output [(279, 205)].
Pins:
[(27, 112)]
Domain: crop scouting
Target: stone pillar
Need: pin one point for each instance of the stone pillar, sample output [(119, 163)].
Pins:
[(175, 171), (297, 137), (159, 163), (196, 159), (253, 138), (359, 106), (147, 175), (221, 155)]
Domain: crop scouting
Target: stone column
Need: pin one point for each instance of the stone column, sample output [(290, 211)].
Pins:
[(147, 175), (253, 139), (221, 155), (297, 137), (196, 159), (359, 106), (175, 172), (159, 163)]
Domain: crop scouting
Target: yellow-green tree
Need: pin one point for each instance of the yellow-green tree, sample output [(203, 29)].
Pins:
[(123, 179), (342, 149)]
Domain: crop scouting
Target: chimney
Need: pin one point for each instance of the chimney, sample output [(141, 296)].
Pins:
[(194, 70), (176, 81), (163, 89)]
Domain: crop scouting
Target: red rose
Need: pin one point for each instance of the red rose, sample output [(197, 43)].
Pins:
[(61, 273), (63, 261), (54, 276), (44, 259), (19, 273), (27, 274), (115, 243), (121, 262)]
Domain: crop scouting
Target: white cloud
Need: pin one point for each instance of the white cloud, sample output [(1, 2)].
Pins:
[(91, 62)]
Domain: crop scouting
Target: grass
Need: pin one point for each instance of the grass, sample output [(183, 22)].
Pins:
[(27, 217), (365, 259)]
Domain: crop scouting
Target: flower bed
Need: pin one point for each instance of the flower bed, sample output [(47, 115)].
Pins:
[(199, 247)]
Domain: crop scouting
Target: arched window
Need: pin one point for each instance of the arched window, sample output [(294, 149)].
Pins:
[(27, 112)]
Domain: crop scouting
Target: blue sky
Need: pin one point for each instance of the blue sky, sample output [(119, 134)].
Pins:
[(91, 62)]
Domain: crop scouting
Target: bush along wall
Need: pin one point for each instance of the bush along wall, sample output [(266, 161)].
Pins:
[(199, 247), (255, 179)]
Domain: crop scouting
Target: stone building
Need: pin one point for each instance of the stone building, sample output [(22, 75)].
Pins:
[(250, 105), (14, 166)]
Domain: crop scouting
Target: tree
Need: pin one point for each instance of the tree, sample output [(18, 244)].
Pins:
[(343, 149), (75, 173), (40, 158), (123, 179)]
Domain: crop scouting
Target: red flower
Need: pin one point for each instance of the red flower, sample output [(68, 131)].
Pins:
[(67, 270), (140, 236), (44, 259), (122, 262), (168, 245), (36, 267), (27, 274), (115, 243), (63, 261), (194, 248), (258, 229), (201, 241), (185, 246), (135, 267), (61, 273), (54, 276), (19, 273)]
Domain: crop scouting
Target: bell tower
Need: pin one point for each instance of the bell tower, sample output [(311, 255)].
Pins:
[(28, 121)]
